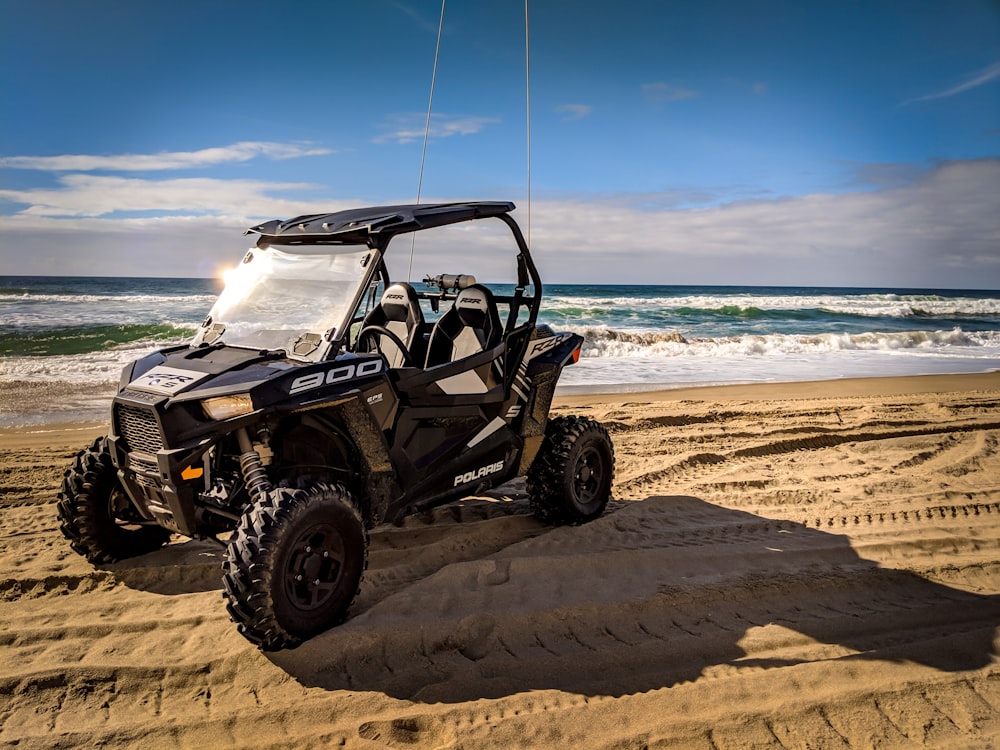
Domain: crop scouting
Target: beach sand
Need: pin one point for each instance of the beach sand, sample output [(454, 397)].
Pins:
[(811, 565)]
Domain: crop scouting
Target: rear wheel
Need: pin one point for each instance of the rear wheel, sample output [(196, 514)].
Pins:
[(569, 481), (96, 515), (294, 564)]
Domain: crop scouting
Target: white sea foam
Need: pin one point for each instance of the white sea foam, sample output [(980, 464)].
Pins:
[(635, 356), (91, 367), (704, 336), (865, 305), (204, 300), (601, 341)]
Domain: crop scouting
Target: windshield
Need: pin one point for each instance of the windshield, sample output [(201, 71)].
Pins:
[(288, 300)]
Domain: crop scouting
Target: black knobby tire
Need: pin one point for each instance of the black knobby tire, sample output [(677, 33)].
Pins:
[(96, 515), (294, 564), (569, 481)]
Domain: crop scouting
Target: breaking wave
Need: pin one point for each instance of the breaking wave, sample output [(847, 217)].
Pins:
[(86, 339), (753, 305), (601, 341)]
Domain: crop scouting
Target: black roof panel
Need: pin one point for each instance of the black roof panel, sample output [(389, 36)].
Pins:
[(374, 225)]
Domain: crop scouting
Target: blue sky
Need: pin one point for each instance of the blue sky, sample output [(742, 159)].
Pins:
[(713, 142)]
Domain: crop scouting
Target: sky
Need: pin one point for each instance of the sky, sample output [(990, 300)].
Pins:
[(784, 142)]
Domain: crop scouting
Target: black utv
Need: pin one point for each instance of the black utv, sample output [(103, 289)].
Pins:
[(320, 398)]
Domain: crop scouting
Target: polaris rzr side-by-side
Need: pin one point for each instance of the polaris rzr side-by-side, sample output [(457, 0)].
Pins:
[(321, 398)]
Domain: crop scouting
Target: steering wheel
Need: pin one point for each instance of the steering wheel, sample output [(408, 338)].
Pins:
[(372, 331)]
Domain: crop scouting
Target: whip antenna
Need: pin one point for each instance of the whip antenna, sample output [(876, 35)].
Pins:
[(527, 107), (427, 130)]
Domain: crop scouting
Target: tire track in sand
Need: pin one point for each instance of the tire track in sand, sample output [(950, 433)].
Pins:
[(812, 591)]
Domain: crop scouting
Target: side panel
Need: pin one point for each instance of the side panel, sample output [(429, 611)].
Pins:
[(537, 378), (454, 433), (445, 453)]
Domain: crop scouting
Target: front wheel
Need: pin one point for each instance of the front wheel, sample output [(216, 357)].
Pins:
[(294, 564), (569, 481), (96, 515)]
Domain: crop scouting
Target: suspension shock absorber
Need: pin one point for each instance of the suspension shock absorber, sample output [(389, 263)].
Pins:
[(254, 473)]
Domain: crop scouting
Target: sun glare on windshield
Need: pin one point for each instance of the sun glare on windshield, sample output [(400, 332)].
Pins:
[(273, 297)]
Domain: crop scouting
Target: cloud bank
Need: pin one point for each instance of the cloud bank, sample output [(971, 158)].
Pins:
[(931, 227), (99, 195), (206, 157), (942, 229)]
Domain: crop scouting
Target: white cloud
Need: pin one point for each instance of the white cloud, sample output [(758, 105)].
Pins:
[(659, 93), (98, 195), (939, 229), (935, 231), (193, 246), (574, 111), (977, 79), (409, 128), (206, 157)]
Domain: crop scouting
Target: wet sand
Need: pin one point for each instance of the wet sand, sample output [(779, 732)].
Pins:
[(807, 565)]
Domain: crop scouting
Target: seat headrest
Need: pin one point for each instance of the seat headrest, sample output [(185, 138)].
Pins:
[(398, 301), (472, 305)]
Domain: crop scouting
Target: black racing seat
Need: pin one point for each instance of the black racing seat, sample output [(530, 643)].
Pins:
[(472, 325), (399, 313)]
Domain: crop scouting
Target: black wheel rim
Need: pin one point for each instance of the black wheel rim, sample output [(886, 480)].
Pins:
[(588, 475), (315, 562), (120, 511)]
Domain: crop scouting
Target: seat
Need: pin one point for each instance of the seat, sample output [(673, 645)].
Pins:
[(399, 313), (472, 325)]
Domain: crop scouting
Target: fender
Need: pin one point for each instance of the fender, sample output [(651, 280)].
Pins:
[(350, 428)]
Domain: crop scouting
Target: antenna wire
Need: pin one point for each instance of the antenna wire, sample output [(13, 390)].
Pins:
[(427, 131)]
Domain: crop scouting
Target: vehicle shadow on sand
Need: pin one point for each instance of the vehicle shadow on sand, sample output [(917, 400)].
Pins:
[(655, 593), (184, 567)]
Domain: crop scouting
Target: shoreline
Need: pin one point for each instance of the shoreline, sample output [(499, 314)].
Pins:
[(40, 433), (888, 385)]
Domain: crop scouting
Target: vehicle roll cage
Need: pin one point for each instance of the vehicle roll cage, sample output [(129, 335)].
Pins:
[(376, 226)]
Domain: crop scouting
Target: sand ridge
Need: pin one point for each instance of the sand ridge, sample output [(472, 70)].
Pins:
[(815, 570)]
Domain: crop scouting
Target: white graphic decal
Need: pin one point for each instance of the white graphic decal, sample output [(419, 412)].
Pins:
[(463, 382), (336, 375), (543, 345), (166, 380), (488, 430)]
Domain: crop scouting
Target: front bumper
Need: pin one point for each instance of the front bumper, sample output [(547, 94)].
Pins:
[(150, 472)]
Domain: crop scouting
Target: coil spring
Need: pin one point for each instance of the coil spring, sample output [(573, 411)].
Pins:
[(254, 475)]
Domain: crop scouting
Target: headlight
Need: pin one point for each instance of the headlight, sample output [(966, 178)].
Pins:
[(225, 407)]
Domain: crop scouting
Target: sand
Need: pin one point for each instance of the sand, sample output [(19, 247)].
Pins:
[(813, 565)]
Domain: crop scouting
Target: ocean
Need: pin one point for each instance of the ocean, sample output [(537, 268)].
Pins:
[(64, 340)]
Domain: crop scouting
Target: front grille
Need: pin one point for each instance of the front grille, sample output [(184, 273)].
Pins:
[(142, 466), (139, 428)]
